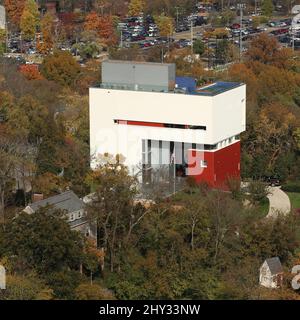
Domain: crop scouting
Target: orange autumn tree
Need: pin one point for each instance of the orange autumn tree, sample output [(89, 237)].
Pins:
[(267, 50), (102, 25), (14, 9), (91, 22), (30, 72)]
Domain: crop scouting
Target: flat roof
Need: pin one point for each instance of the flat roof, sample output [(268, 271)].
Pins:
[(208, 90), (138, 62), (216, 88)]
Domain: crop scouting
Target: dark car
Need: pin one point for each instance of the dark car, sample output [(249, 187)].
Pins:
[(273, 181), (235, 26)]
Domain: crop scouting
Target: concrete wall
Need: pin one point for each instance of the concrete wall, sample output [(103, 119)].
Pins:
[(229, 113)]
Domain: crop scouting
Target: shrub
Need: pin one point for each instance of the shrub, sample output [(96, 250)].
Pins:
[(291, 187), (234, 186), (257, 190)]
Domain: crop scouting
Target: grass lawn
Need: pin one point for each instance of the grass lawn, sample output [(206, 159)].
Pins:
[(295, 199), (263, 208)]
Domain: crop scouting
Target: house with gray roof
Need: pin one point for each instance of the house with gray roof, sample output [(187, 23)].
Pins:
[(271, 273), (74, 208)]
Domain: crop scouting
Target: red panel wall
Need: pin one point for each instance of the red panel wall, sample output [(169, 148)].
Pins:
[(227, 164), (195, 169), (221, 164)]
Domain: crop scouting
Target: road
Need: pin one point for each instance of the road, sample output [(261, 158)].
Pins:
[(279, 202)]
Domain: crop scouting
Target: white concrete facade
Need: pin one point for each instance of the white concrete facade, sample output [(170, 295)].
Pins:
[(223, 115)]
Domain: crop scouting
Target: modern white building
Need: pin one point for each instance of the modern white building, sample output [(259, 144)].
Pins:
[(152, 118)]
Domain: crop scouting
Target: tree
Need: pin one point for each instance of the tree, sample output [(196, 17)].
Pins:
[(273, 130), (92, 22), (106, 29), (61, 67), (2, 42), (267, 8), (87, 291), (45, 44), (243, 73), (64, 283), (258, 191), (113, 206), (266, 50), (14, 10), (165, 25), (136, 7), (25, 287), (30, 72), (199, 47), (48, 184), (12, 153), (89, 46), (29, 20), (224, 51), (42, 241), (102, 25)]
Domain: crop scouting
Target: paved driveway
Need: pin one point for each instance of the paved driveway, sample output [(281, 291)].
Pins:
[(279, 202)]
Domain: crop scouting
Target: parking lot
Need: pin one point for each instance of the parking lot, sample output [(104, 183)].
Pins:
[(143, 32)]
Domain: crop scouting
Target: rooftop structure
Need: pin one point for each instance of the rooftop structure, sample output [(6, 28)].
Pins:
[(140, 76)]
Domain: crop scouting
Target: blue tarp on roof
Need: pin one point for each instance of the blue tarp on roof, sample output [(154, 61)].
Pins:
[(188, 83)]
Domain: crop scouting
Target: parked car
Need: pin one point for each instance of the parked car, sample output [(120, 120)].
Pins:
[(273, 181), (235, 26)]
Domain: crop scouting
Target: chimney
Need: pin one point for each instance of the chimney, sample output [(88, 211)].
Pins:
[(37, 197)]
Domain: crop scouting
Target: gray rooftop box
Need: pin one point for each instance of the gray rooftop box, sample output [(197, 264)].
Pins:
[(131, 75)]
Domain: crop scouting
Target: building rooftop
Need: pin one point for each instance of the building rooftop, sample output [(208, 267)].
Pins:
[(145, 63), (274, 265), (67, 201), (209, 90), (216, 88), (155, 77)]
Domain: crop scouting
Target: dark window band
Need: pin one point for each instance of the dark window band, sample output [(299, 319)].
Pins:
[(161, 125)]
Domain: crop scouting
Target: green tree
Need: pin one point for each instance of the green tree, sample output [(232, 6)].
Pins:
[(89, 46), (43, 241), (267, 8), (64, 283), (258, 191), (113, 207), (199, 47)]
